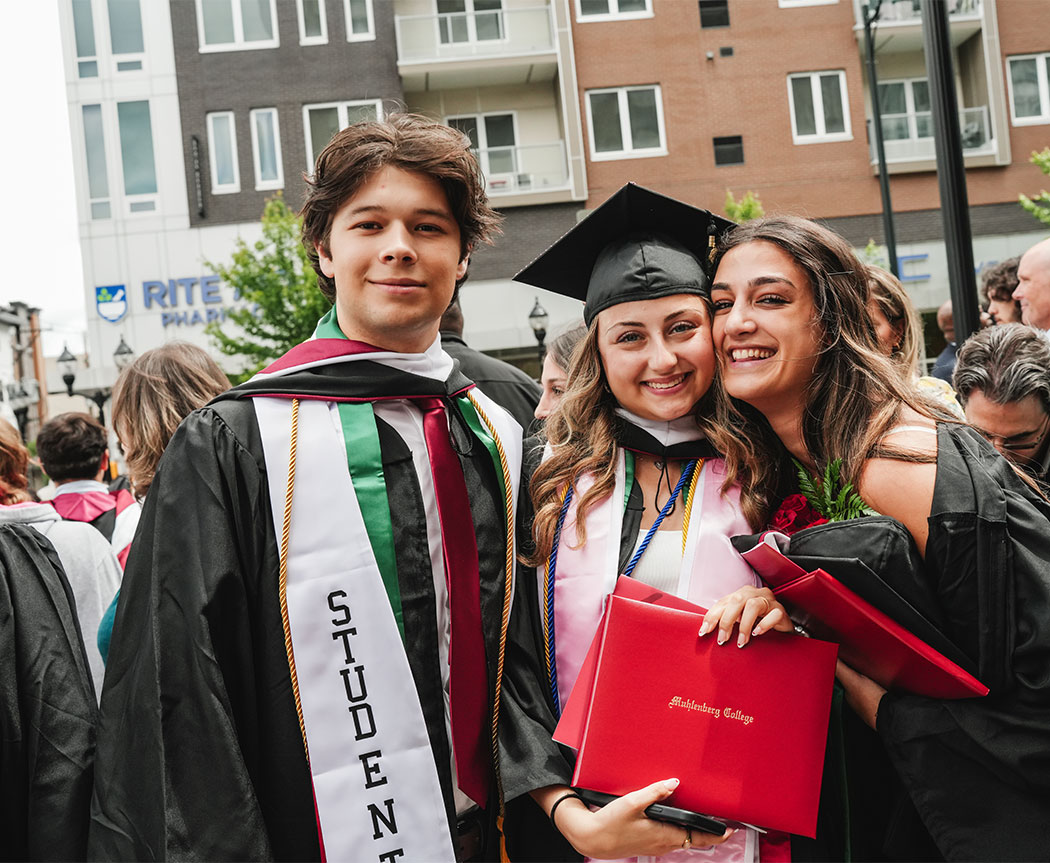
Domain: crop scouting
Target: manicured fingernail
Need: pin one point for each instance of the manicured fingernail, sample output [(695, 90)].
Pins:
[(672, 784), (722, 638), (757, 630), (741, 640), (705, 628)]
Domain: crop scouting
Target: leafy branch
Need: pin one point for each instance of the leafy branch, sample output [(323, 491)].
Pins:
[(833, 498)]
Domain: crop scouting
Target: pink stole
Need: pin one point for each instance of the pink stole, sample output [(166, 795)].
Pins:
[(586, 575)]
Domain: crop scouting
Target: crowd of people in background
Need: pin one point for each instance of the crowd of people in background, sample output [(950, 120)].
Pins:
[(335, 612)]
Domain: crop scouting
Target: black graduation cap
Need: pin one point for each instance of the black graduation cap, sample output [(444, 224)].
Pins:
[(637, 245)]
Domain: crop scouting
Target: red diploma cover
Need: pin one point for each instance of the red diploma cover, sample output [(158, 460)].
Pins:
[(743, 729), (870, 641)]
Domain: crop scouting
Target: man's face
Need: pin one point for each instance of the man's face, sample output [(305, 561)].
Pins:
[(1017, 429), (1033, 286), (394, 255)]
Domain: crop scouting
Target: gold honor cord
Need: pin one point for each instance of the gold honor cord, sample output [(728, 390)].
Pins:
[(508, 506), (285, 535), (689, 502)]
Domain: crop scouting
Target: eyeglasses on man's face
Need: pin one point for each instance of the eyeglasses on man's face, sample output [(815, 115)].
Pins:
[(1023, 442)]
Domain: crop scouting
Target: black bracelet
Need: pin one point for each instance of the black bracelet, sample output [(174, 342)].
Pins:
[(558, 802)]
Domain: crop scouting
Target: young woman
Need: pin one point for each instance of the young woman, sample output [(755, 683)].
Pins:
[(155, 393), (898, 331), (555, 375), (630, 483), (795, 342)]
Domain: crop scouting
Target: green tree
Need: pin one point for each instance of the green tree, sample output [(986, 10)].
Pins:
[(747, 208), (274, 277), (874, 255), (1040, 205)]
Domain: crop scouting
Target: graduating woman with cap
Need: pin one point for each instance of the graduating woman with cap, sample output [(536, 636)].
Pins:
[(966, 779), (630, 483)]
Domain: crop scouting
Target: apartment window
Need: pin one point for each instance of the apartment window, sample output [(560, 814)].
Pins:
[(1030, 89), (323, 121), (125, 26), (266, 149), (136, 154), (222, 152), (313, 23), (84, 37), (714, 13), (729, 150), (95, 154), (597, 10), (469, 20), (359, 26), (230, 25), (905, 109), (819, 111), (493, 138), (625, 122)]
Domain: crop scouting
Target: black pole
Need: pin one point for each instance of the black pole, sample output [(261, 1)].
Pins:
[(951, 173), (871, 12)]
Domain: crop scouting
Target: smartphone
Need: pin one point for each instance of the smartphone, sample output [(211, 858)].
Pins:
[(662, 812)]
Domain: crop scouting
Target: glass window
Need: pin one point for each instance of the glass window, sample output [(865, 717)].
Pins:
[(819, 111), (321, 122), (222, 150), (84, 37), (613, 9), (729, 150), (95, 154), (1030, 89), (714, 13), (83, 28), (625, 122), (125, 26), (905, 109), (313, 26), (469, 20), (226, 25), (494, 139), (136, 148), (266, 149), (359, 20)]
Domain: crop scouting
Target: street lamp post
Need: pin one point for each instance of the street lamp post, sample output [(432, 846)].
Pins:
[(538, 319), (68, 363)]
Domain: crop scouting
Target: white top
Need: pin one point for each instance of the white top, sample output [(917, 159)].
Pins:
[(91, 568), (661, 564)]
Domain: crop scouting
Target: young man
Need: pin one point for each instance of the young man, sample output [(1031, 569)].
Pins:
[(73, 452), (306, 654)]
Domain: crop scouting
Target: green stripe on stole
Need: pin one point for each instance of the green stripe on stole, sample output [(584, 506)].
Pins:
[(365, 460), (470, 414)]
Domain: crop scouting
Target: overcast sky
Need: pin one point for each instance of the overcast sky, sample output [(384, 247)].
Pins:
[(38, 220)]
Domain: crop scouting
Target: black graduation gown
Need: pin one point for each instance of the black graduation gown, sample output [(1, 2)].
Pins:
[(200, 754), (47, 708), (507, 385), (962, 779)]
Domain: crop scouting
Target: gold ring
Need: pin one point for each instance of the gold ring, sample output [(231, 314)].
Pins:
[(687, 844)]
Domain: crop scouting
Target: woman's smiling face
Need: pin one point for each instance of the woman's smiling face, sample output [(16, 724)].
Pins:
[(766, 330), (657, 354)]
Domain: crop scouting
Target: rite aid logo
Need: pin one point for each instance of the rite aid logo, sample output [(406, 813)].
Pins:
[(111, 302)]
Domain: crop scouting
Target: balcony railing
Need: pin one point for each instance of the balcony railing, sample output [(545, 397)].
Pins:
[(527, 168), (910, 11), (467, 35), (909, 137)]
